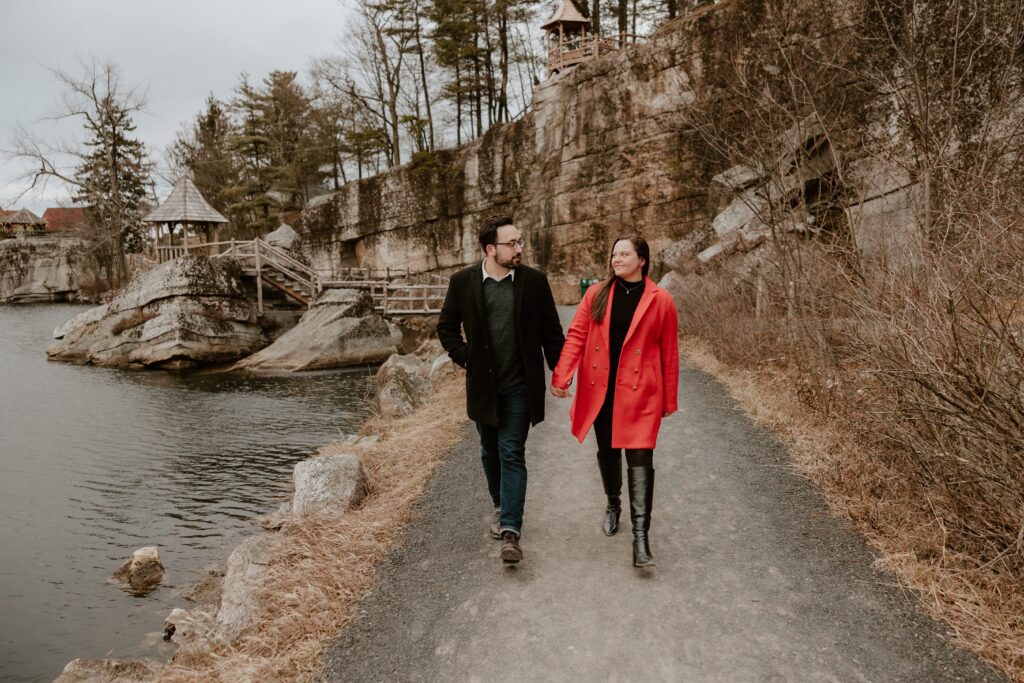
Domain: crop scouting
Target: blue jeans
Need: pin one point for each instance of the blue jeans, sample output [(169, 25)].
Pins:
[(503, 451)]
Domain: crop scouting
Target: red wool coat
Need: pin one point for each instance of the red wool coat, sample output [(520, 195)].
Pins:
[(647, 380)]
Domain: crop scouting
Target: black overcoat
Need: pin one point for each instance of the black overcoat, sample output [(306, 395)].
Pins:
[(537, 325)]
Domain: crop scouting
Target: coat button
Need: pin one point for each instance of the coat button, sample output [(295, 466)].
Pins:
[(594, 365), (636, 370), (634, 387), (638, 352), (591, 382), (597, 348)]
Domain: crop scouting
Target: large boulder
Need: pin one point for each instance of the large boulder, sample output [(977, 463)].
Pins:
[(143, 572), (186, 312), (341, 328), (328, 485), (441, 368), (247, 568), (284, 237), (403, 385)]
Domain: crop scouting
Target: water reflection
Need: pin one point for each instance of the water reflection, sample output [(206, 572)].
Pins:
[(95, 463)]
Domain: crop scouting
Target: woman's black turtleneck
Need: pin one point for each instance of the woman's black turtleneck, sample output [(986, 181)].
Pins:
[(624, 303)]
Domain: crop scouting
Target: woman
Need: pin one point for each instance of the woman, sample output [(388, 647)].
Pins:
[(624, 342)]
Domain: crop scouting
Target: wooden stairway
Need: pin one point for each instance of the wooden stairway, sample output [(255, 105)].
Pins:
[(275, 267)]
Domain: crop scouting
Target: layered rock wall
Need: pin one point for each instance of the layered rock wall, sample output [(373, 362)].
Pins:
[(40, 269), (605, 150), (609, 147)]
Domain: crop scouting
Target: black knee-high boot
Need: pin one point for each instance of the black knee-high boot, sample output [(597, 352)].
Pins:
[(641, 501), (610, 465)]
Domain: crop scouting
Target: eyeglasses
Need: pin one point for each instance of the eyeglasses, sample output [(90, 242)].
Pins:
[(512, 244)]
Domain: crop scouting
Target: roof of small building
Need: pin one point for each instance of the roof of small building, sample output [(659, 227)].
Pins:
[(22, 217), (64, 218), (185, 204), (566, 14)]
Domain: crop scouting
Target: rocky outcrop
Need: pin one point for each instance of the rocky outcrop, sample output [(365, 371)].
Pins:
[(328, 485), (284, 237), (143, 572), (183, 313), (341, 328), (403, 385), (40, 269), (248, 564), (602, 152)]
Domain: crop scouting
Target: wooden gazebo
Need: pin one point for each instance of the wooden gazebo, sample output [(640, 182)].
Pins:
[(184, 206), (21, 222), (571, 40)]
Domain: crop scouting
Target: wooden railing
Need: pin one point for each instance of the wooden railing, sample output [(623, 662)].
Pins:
[(398, 292), (581, 49)]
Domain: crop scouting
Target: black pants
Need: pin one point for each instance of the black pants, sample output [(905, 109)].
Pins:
[(635, 457)]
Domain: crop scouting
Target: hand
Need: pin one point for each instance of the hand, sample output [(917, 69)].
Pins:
[(559, 392)]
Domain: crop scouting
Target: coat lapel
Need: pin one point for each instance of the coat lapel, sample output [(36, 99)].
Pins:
[(477, 286), (518, 282), (641, 308), (606, 323)]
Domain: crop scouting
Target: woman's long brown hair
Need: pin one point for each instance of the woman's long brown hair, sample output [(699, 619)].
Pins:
[(601, 300)]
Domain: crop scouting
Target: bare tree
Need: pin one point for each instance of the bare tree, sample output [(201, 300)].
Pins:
[(109, 171)]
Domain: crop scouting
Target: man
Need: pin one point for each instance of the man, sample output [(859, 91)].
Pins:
[(508, 315)]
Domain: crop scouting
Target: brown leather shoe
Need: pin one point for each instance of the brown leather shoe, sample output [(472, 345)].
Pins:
[(511, 553), (496, 525)]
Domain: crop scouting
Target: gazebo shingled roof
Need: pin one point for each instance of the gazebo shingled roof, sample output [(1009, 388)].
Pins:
[(23, 217), (566, 14), (185, 204)]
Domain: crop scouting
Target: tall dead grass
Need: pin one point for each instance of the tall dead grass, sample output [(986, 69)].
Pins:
[(901, 393), (321, 567)]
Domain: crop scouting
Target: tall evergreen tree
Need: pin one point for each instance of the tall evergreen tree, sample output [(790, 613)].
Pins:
[(202, 149), (113, 178)]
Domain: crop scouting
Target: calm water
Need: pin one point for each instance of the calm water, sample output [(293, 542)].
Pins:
[(95, 463)]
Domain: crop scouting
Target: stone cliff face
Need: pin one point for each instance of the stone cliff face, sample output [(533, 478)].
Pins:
[(40, 269), (603, 151), (609, 147)]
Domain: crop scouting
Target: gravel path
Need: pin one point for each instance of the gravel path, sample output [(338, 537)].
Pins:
[(755, 581)]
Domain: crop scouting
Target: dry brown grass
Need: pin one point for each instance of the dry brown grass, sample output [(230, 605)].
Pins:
[(983, 605), (323, 566)]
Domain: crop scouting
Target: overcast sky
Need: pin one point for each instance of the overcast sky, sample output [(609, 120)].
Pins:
[(182, 50)]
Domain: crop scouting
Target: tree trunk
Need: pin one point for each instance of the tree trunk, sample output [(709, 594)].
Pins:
[(503, 65), (477, 86), (623, 20), (458, 105), (423, 77)]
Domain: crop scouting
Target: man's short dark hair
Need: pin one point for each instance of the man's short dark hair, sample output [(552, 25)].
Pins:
[(489, 230)]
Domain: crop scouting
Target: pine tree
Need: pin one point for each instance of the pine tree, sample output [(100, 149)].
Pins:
[(113, 181), (203, 150)]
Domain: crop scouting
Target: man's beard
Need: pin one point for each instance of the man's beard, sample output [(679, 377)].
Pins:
[(511, 263)]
